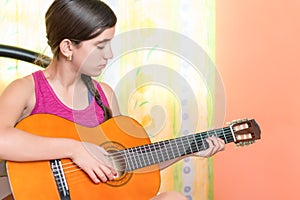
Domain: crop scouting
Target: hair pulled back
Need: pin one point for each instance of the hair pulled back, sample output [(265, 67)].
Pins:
[(79, 20)]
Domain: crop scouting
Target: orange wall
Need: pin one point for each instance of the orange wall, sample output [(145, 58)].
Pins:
[(258, 56)]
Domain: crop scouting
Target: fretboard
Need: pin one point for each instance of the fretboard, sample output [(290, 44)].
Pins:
[(158, 152)]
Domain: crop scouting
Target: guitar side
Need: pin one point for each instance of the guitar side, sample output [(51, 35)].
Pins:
[(35, 180)]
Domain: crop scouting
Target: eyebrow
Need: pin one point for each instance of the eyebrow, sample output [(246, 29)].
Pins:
[(102, 41)]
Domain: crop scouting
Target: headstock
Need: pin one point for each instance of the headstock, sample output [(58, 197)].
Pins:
[(244, 131)]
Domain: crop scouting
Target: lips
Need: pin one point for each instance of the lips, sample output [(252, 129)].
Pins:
[(102, 65)]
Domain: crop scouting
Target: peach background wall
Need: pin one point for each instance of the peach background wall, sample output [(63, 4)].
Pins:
[(258, 55)]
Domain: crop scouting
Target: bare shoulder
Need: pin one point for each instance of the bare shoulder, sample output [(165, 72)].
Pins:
[(108, 91), (111, 98), (106, 88), (18, 87), (16, 98)]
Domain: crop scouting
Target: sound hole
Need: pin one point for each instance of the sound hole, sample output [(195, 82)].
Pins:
[(119, 163)]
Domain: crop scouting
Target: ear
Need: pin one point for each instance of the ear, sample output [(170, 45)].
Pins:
[(66, 47)]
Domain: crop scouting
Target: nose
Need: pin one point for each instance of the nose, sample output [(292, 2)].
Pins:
[(108, 54)]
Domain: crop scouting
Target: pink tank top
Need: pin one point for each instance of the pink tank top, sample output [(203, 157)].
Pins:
[(47, 102)]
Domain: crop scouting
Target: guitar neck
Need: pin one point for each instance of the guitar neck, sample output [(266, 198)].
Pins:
[(158, 152)]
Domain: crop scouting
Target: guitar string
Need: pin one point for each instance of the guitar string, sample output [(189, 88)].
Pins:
[(117, 156)]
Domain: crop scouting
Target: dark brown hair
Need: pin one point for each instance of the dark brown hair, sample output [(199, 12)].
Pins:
[(79, 20)]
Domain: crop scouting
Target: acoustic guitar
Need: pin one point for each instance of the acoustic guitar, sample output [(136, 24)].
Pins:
[(130, 150)]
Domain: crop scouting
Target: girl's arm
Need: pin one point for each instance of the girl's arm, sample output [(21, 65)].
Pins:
[(16, 145)]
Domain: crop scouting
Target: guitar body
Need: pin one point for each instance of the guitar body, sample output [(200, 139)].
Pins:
[(35, 180)]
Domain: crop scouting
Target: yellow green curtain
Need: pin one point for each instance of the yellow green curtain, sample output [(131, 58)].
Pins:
[(157, 106)]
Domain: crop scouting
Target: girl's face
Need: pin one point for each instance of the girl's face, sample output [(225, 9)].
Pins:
[(91, 56)]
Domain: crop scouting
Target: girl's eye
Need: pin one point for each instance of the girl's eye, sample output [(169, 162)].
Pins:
[(100, 47)]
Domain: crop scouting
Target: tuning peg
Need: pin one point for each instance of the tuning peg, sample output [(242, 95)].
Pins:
[(251, 142), (242, 144), (236, 121), (243, 120), (232, 122)]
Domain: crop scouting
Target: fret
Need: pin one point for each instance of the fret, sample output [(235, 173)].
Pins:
[(193, 143), (189, 145), (196, 143), (148, 149), (225, 138), (141, 156), (215, 133), (166, 149), (222, 134), (181, 147), (136, 163), (203, 137), (154, 153), (228, 137), (137, 157), (209, 134), (170, 149), (174, 147), (199, 141), (132, 158), (158, 152), (127, 161), (145, 156), (202, 140)]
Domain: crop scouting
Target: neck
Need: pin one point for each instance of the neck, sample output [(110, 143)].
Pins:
[(63, 72), (67, 84)]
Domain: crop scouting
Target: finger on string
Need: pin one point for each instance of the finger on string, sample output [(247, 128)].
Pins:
[(94, 177), (210, 142), (221, 141), (108, 172), (101, 174), (220, 144)]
